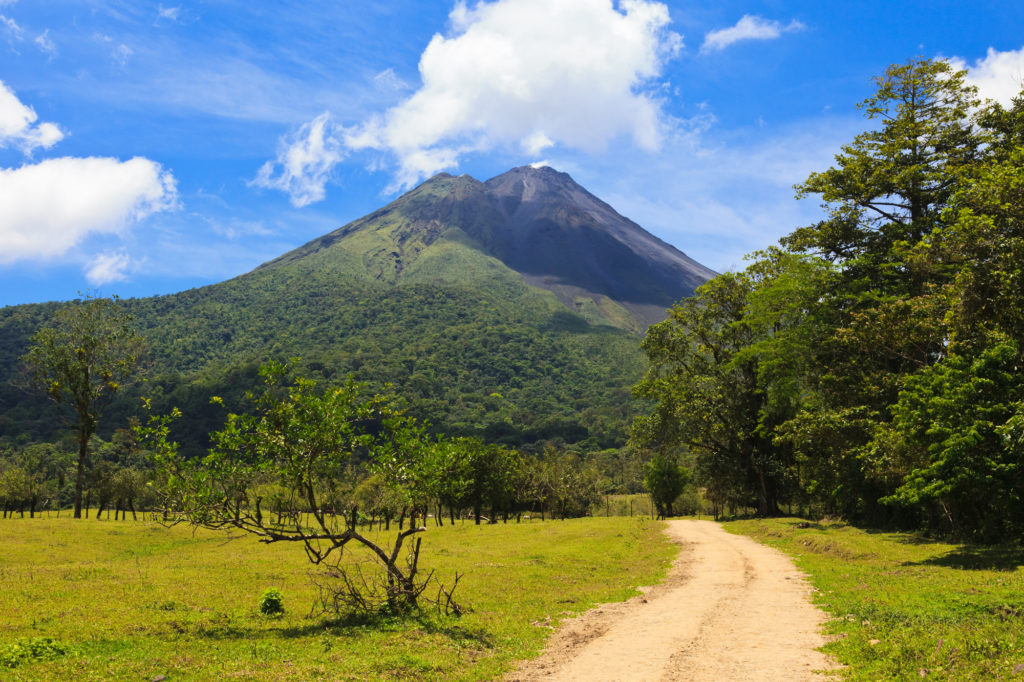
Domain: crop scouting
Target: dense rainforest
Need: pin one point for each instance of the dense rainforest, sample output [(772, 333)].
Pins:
[(870, 365)]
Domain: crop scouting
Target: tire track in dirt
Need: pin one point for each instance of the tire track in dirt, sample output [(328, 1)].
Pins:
[(730, 609)]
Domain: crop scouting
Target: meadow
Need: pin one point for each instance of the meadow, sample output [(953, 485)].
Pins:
[(906, 607), (91, 600)]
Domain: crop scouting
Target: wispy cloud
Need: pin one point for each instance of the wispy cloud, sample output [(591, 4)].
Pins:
[(304, 162), (749, 27), (168, 13), (999, 76), (11, 27), (688, 195), (46, 44), (119, 51), (111, 266)]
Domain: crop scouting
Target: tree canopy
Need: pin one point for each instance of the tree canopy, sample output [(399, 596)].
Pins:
[(870, 366), (81, 359)]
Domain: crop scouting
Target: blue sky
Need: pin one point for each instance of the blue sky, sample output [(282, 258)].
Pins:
[(147, 148)]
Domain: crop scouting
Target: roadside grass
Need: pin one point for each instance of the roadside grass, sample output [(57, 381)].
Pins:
[(905, 607), (135, 600)]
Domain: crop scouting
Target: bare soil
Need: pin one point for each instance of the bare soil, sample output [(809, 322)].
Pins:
[(730, 609)]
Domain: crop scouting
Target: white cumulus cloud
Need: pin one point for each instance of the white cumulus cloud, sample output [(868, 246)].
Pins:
[(304, 162), (18, 127), (749, 27), (49, 207), (529, 74), (999, 76)]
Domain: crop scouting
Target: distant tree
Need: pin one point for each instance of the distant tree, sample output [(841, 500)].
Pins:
[(81, 359), (665, 480)]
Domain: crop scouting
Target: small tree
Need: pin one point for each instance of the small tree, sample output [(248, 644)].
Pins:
[(665, 480), (300, 441), (81, 359)]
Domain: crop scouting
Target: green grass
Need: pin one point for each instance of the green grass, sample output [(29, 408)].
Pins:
[(904, 607), (134, 600)]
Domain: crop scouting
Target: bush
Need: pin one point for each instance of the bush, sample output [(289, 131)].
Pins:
[(272, 602), (30, 650)]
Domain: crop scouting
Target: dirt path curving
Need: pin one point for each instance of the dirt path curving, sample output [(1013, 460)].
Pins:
[(730, 609)]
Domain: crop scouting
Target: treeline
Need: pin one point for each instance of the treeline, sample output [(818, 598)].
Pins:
[(870, 366), (471, 480), (41, 477)]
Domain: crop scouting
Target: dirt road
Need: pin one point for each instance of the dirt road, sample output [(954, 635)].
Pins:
[(730, 609)]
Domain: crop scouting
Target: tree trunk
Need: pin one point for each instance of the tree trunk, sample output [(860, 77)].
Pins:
[(83, 452)]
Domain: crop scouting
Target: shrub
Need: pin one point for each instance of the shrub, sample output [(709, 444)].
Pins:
[(30, 650), (272, 602)]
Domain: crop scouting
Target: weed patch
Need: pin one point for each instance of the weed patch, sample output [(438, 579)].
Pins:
[(31, 650)]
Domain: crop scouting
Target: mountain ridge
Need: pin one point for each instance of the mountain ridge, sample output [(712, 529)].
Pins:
[(541, 224)]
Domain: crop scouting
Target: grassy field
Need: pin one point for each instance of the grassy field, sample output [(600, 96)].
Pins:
[(909, 608), (135, 600)]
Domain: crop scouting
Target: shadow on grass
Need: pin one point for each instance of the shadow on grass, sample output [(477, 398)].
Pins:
[(972, 558), (903, 537), (353, 625)]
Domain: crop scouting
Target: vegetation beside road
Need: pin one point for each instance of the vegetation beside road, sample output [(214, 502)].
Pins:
[(907, 607)]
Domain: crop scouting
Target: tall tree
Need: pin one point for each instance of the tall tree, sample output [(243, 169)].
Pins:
[(81, 359), (891, 184), (891, 190)]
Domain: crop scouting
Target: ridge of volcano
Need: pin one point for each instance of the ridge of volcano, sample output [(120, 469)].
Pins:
[(537, 222)]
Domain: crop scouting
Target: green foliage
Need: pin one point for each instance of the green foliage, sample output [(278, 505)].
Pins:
[(272, 602), (447, 348), (31, 650), (665, 480), (952, 417), (871, 366), (305, 442), (80, 359), (710, 397)]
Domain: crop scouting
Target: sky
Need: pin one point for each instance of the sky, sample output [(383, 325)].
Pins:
[(148, 148)]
